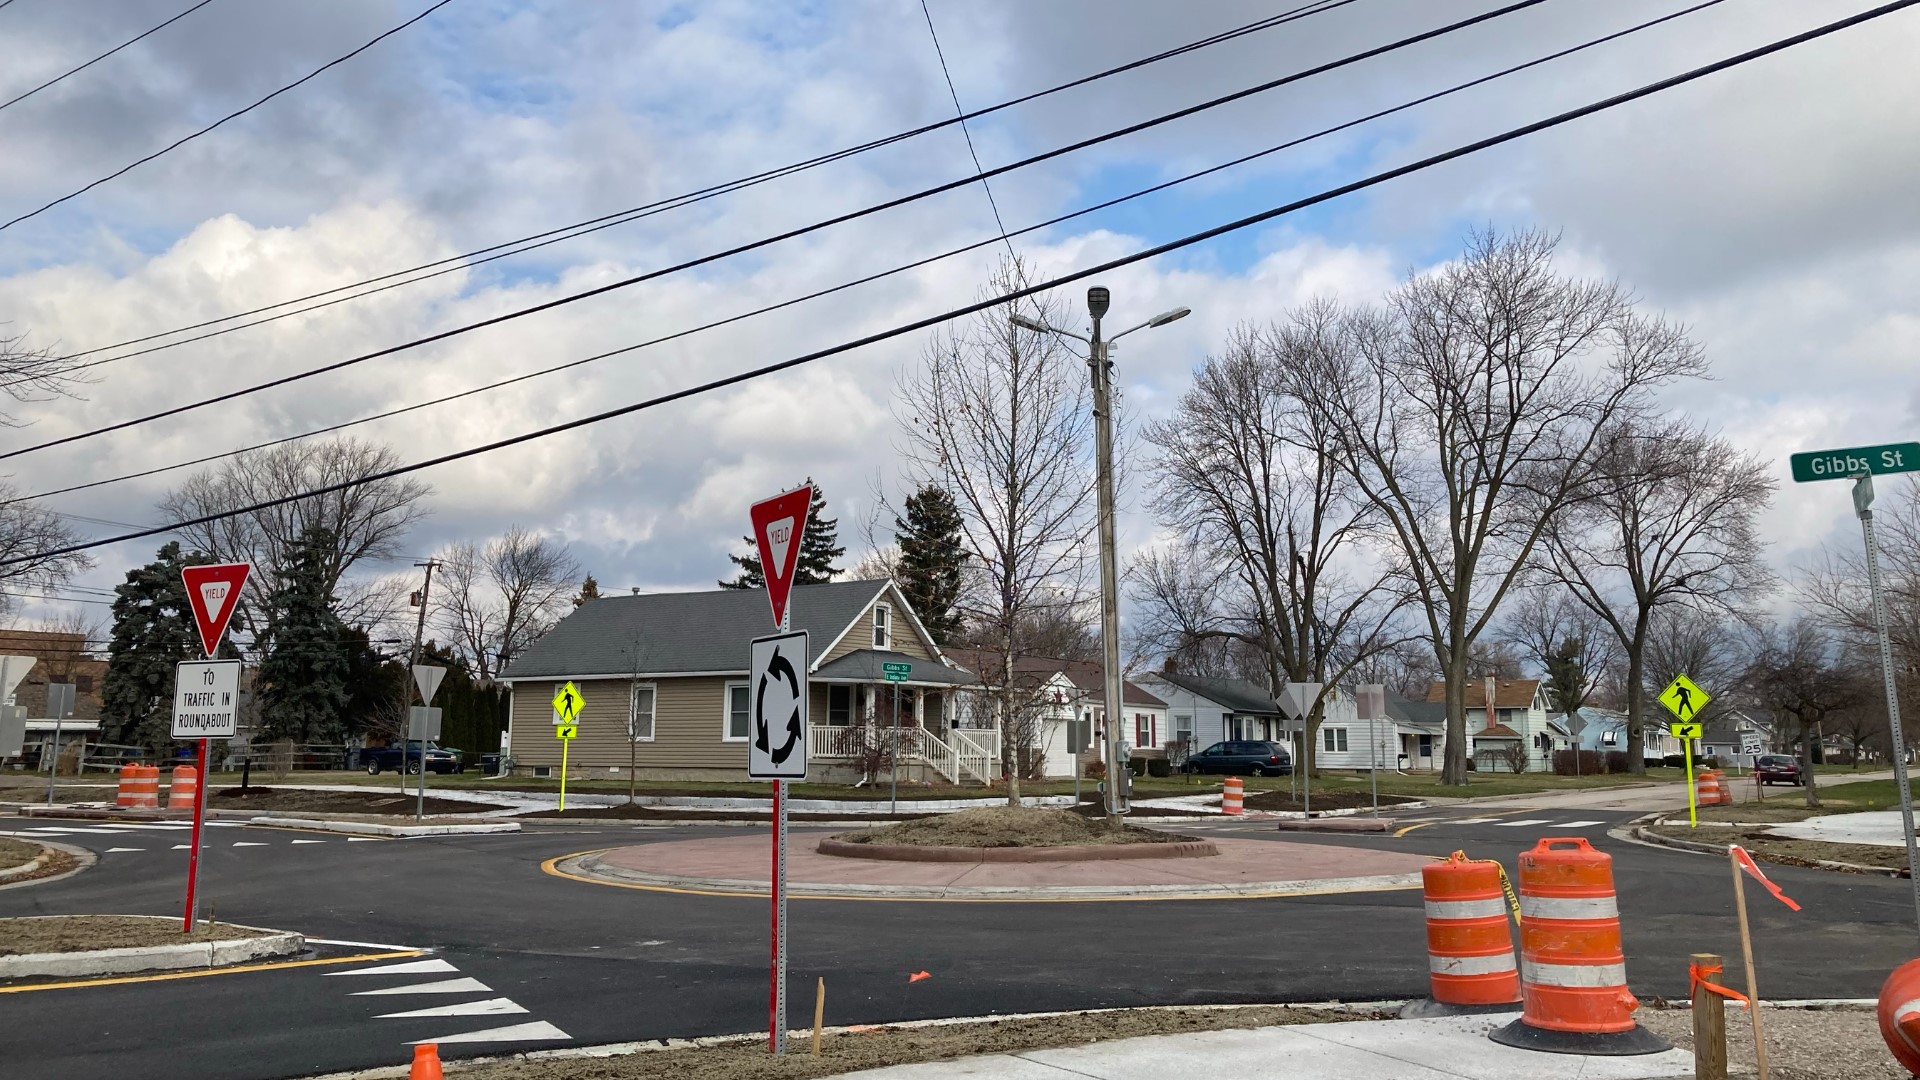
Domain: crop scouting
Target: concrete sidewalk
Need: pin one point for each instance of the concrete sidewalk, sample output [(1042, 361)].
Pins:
[(1454, 1048)]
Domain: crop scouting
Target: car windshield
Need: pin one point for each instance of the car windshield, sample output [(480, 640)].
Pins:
[(1216, 748)]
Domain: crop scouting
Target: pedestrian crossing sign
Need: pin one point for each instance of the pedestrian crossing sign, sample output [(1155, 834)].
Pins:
[(566, 704), (1685, 731), (566, 732), (1684, 699)]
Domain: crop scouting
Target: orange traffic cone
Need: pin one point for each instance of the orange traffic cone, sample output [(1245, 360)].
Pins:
[(426, 1062)]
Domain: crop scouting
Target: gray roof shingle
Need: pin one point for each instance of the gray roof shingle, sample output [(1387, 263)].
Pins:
[(1238, 695), (684, 632), (863, 665)]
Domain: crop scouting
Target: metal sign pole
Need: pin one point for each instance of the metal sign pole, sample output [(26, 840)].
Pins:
[(777, 1022), (193, 857), (1863, 500), (893, 757)]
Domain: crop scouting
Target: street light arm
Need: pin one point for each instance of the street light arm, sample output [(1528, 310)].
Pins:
[(1156, 322), (1039, 327)]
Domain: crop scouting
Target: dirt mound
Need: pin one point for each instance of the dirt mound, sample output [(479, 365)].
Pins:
[(1008, 827)]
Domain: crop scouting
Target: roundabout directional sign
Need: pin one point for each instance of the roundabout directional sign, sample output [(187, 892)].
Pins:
[(777, 686)]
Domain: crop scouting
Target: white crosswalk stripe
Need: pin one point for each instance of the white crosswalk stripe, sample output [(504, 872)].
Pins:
[(1521, 822), (533, 1031), (1575, 824)]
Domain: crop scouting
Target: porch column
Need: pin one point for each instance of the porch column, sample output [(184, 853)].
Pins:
[(919, 709)]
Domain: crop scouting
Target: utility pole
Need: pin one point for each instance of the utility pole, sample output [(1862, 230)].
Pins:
[(1098, 300), (419, 631)]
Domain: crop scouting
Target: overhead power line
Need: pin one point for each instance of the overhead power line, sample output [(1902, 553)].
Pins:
[(104, 55), (972, 152), (183, 140), (840, 219), (903, 329), (903, 268), (506, 249)]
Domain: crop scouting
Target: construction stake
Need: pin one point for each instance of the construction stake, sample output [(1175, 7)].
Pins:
[(819, 1012), (1746, 952), (1709, 1025)]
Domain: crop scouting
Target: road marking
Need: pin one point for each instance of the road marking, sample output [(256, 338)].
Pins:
[(201, 973), (1576, 824), (111, 850), (417, 967), (365, 839), (162, 828), (248, 843), (184, 847), (1410, 828), (406, 949), (50, 832), (538, 1031), (1521, 822), (489, 1007), (444, 986), (1475, 821), (309, 842)]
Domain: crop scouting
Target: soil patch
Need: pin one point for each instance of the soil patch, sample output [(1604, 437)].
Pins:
[(381, 803), (682, 815), (82, 933), (1009, 827), (1321, 800), (17, 853), (882, 1046), (1802, 1044), (1788, 851)]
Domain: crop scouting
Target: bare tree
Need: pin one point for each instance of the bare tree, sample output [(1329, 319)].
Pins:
[(1797, 672), (1836, 591), (1469, 412), (33, 375), (368, 521), (496, 600), (999, 417), (1671, 522), (26, 530), (1273, 525), (1564, 641)]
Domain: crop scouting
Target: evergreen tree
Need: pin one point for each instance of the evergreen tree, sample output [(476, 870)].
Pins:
[(152, 631), (589, 590), (375, 682), (932, 560), (304, 676), (818, 548), (1567, 681)]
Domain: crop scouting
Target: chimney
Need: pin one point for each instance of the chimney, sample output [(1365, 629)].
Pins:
[(1170, 666), (1492, 717)]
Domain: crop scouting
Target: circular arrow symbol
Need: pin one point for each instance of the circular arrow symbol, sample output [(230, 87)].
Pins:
[(778, 667)]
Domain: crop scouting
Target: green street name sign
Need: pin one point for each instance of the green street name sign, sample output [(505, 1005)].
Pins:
[(1844, 464), (897, 672)]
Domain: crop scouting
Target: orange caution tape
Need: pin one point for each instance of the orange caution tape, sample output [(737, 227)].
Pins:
[(917, 976), (1697, 976), (1753, 870)]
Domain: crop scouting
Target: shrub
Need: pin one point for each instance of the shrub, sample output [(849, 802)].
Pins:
[(1672, 761), (1137, 766), (1591, 761), (1159, 767), (1617, 761), (1096, 770)]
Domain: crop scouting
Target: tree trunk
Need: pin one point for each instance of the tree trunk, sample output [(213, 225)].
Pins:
[(1455, 770), (1806, 759), (1636, 706), (1009, 753)]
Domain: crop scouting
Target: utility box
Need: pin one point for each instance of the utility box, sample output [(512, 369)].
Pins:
[(13, 730)]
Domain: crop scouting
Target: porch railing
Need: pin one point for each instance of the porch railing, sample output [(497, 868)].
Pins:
[(977, 751)]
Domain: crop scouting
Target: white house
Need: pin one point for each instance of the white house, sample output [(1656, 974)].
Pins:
[(1606, 731), (1062, 691), (1412, 736), (1203, 711), (1511, 713)]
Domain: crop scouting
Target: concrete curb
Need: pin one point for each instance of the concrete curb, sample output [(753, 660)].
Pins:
[(83, 861), (371, 828), (1647, 836), (25, 868), (590, 866), (722, 804), (1316, 815), (197, 954), (1338, 825), (845, 849)]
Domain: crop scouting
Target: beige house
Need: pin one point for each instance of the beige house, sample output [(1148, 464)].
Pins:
[(674, 666)]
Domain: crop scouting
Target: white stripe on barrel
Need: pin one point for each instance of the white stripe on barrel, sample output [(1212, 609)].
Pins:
[(1543, 973), (1467, 909), (1568, 907), (1470, 965)]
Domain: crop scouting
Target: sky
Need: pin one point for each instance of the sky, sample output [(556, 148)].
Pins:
[(1770, 208)]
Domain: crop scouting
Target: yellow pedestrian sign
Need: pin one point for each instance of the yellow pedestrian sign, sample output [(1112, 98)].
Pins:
[(1684, 699), (1686, 731), (566, 732), (567, 703)]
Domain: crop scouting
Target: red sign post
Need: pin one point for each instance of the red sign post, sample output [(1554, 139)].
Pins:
[(213, 592), (779, 524)]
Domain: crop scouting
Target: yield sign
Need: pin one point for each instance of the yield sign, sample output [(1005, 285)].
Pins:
[(427, 677), (213, 592), (778, 525)]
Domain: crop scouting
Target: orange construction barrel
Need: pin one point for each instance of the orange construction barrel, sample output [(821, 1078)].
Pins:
[(1574, 979), (183, 788), (1233, 796), (139, 787), (129, 780), (1469, 942), (1900, 1015)]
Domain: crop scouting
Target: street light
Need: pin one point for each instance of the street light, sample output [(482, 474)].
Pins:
[(1099, 299)]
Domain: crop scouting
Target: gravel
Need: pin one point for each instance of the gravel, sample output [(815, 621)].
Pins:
[(1802, 1044), (17, 853), (1009, 826), (82, 933)]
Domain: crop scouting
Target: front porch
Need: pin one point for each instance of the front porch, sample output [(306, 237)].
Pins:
[(916, 725)]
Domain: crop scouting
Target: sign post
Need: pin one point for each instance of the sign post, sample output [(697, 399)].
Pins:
[(567, 703), (1860, 465), (778, 747), (206, 694), (423, 723), (1684, 700), (895, 675)]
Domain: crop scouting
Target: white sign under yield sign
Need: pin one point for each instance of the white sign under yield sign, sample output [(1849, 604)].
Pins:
[(206, 699), (777, 707)]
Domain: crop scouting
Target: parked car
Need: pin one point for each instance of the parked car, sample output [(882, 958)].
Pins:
[(1778, 769), (1255, 757), (378, 759)]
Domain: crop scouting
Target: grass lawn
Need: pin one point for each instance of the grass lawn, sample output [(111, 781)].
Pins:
[(1790, 804)]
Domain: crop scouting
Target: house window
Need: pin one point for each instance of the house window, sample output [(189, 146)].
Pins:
[(1142, 729), (1335, 739), (83, 684), (840, 706), (738, 721), (643, 697), (1609, 738), (1426, 746), (882, 617), (1183, 728)]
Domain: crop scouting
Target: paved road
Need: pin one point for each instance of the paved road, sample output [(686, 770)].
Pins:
[(602, 964)]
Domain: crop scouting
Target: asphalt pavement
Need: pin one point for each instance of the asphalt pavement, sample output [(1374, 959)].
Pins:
[(556, 962)]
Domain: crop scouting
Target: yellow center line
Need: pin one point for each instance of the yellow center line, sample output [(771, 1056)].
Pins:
[(1410, 828), (168, 976)]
